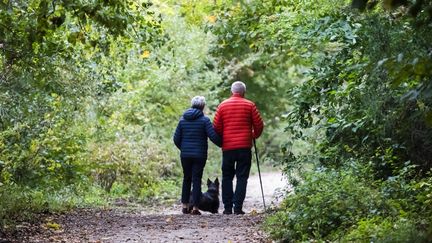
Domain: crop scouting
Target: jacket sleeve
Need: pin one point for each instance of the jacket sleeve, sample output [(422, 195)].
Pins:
[(257, 122), (211, 133), (217, 121), (178, 136)]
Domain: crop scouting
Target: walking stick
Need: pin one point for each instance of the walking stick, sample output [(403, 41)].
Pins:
[(259, 174)]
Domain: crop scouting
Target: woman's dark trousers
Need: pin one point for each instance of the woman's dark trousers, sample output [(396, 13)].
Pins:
[(192, 173), (235, 162)]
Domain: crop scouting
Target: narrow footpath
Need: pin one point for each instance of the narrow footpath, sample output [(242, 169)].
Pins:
[(125, 224)]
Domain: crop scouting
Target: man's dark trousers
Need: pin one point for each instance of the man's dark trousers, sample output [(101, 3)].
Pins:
[(235, 162)]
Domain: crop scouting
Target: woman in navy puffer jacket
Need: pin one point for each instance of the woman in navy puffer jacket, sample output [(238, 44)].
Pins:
[(190, 137)]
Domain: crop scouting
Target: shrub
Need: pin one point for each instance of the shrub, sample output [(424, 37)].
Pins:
[(387, 230), (348, 205), (326, 203)]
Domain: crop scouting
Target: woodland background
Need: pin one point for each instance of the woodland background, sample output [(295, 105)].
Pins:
[(91, 92)]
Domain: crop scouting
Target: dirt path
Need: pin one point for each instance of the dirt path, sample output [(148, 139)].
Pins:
[(163, 225)]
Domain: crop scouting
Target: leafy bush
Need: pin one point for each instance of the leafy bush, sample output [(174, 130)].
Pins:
[(325, 204), (387, 230), (21, 203), (349, 206)]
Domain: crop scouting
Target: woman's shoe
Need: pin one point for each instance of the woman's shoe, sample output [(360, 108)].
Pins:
[(185, 211), (195, 212)]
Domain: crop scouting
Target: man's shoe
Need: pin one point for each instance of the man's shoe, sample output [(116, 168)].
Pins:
[(238, 212), (227, 211)]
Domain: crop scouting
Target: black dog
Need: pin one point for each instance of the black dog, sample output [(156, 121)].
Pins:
[(209, 201)]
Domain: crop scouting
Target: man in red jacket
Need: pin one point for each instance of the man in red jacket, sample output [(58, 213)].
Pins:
[(238, 121)]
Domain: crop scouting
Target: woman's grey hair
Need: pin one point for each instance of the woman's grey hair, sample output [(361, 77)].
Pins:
[(198, 102), (238, 87)]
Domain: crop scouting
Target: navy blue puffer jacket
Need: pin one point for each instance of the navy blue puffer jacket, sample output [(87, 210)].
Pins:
[(192, 132)]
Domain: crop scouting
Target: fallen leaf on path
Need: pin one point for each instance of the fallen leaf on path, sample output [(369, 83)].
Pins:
[(53, 226), (204, 224), (169, 219)]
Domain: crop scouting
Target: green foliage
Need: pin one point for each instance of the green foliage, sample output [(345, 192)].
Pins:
[(387, 230), (345, 206), (361, 106), (21, 202), (328, 202), (49, 68)]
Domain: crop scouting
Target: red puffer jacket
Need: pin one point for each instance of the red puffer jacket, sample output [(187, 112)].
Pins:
[(237, 120)]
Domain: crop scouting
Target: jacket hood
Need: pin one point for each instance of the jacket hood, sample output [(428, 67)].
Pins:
[(192, 114)]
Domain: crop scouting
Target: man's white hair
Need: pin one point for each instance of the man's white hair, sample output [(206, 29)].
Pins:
[(198, 102), (238, 87)]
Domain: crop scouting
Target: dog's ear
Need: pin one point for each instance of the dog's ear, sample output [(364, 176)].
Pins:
[(208, 181), (217, 181)]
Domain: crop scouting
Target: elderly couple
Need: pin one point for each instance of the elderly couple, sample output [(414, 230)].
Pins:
[(236, 123)]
